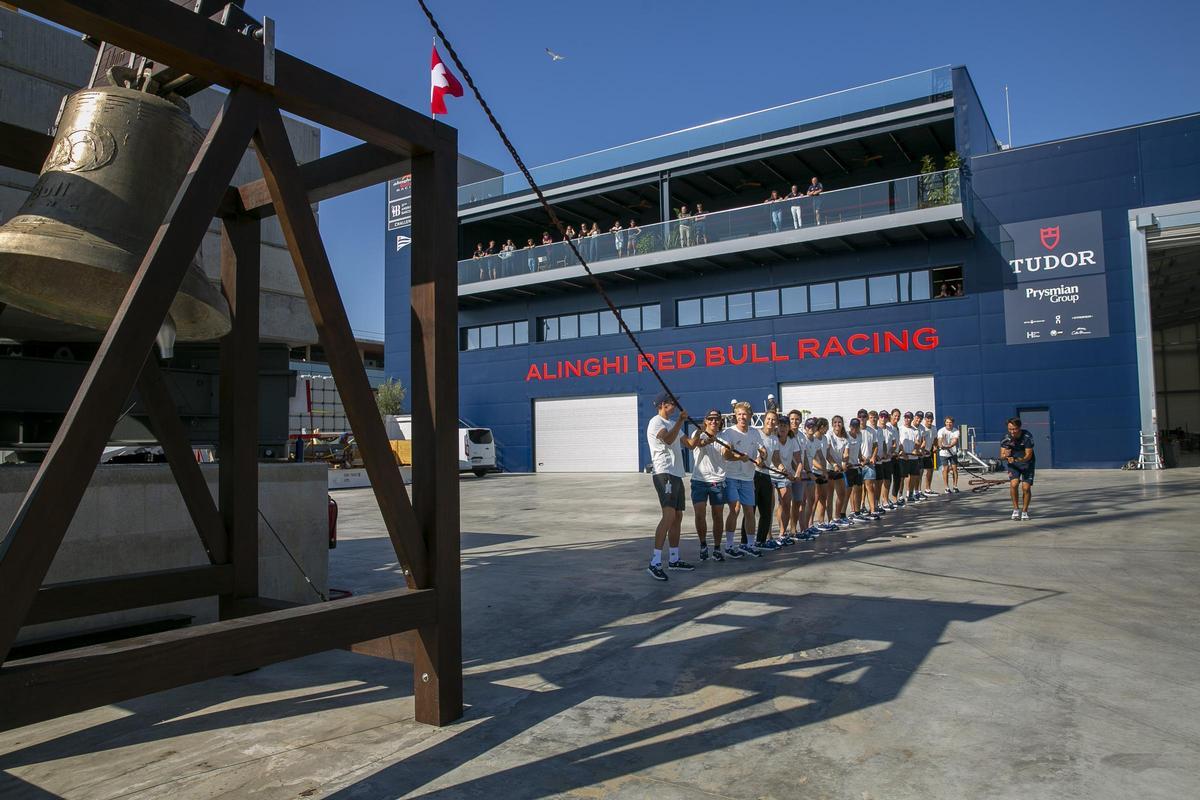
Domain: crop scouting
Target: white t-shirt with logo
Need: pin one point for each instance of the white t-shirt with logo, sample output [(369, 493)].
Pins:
[(667, 458), (708, 464), (787, 454), (947, 441), (747, 444), (772, 444), (887, 440), (870, 437), (836, 444), (854, 450), (909, 438)]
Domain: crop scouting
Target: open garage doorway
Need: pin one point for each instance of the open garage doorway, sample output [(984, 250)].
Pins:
[(1169, 240)]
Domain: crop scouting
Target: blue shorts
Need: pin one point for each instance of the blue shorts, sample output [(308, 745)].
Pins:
[(712, 492), (1021, 472), (780, 481), (868, 473), (739, 491)]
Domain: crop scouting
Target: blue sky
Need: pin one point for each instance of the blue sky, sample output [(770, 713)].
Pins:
[(637, 68)]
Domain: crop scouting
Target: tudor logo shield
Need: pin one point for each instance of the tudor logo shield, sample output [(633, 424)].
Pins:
[(1050, 237)]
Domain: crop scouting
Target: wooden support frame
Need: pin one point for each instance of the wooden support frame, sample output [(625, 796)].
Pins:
[(425, 535)]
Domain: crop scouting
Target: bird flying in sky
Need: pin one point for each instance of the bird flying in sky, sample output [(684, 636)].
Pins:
[(553, 55)]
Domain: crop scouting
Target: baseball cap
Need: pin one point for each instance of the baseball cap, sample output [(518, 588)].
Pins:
[(854, 423), (917, 414), (861, 412), (928, 415), (811, 422), (661, 399), (908, 415), (713, 414), (885, 413)]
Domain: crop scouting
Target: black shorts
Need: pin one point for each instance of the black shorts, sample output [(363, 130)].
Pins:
[(948, 460), (820, 480), (854, 476), (926, 462), (883, 471), (670, 491), (912, 467), (1022, 472)]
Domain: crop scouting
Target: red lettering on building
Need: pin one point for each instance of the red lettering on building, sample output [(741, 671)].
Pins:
[(776, 355), (745, 355), (591, 367), (687, 359), (925, 338), (533, 374), (714, 356), (755, 358), (810, 347), (834, 345), (890, 338), (614, 365), (862, 337), (570, 367)]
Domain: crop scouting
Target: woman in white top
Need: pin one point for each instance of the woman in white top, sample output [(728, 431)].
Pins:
[(837, 447), (852, 458), (819, 461), (947, 440), (764, 481), (782, 458)]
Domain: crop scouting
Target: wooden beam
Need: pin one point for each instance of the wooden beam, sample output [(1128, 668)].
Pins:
[(53, 497), (171, 35), (437, 653), (168, 428), (23, 149), (330, 176), (100, 595), (48, 686), (238, 427), (329, 315)]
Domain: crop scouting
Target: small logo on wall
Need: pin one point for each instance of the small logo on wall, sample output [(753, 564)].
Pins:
[(402, 241), (1050, 237)]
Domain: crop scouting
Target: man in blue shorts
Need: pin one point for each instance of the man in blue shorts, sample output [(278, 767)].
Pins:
[(662, 436), (1016, 450), (708, 482)]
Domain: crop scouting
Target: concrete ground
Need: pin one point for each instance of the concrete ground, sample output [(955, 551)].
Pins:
[(981, 658)]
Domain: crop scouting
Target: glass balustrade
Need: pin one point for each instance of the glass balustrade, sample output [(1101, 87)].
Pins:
[(828, 208), (888, 95)]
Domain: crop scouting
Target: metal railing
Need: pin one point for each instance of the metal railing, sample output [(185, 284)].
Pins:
[(842, 205)]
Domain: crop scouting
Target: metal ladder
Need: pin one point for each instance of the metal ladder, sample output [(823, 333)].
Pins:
[(1149, 456)]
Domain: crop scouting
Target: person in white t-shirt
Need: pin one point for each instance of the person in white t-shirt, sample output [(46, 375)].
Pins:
[(745, 452), (822, 469), (804, 469), (796, 426), (837, 462), (947, 440), (910, 444), (764, 489), (929, 437), (662, 436), (871, 452), (708, 481), (783, 460)]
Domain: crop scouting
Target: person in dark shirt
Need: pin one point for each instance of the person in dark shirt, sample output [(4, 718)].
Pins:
[(1016, 450), (814, 191)]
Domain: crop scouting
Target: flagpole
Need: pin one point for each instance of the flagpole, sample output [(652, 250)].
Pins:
[(432, 113)]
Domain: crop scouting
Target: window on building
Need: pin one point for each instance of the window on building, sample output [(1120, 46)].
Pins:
[(589, 324), (594, 323), (766, 303), (852, 293), (714, 309), (920, 285), (500, 335), (472, 338), (521, 332), (487, 336), (883, 290), (504, 334), (903, 276), (741, 306), (822, 297), (947, 282), (298, 354), (568, 326), (687, 312), (795, 299)]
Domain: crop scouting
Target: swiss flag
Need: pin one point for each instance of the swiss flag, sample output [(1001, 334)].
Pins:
[(441, 83)]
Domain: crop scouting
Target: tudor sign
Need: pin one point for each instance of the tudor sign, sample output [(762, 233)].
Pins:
[(1055, 289)]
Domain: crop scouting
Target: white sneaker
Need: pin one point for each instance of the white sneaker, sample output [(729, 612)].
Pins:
[(1016, 514), (1024, 515)]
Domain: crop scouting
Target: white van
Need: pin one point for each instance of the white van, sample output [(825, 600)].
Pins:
[(478, 453)]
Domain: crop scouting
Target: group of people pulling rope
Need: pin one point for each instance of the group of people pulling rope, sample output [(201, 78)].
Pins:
[(739, 451)]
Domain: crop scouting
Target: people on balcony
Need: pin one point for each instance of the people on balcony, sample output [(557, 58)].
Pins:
[(685, 226), (794, 197), (699, 226), (776, 211), (814, 191)]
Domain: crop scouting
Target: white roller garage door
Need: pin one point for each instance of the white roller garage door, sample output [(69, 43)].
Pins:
[(566, 430), (826, 398)]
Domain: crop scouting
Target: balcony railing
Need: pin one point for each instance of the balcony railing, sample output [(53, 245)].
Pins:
[(887, 95), (842, 205)]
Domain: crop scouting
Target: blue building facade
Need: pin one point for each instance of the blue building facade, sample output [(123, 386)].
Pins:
[(1029, 247)]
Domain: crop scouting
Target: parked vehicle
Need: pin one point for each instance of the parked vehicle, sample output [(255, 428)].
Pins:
[(478, 453)]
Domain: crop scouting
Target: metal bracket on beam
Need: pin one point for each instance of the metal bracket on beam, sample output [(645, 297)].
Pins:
[(268, 39)]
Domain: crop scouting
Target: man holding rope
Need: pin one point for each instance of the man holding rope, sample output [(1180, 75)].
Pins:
[(663, 437), (1016, 450)]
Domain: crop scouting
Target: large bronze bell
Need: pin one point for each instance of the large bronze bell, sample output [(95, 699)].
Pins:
[(71, 251)]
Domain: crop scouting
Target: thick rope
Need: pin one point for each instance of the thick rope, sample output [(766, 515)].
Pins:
[(558, 225)]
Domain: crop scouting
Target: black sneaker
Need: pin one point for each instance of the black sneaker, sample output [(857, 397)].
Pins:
[(704, 553), (717, 555), (656, 572), (680, 564)]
